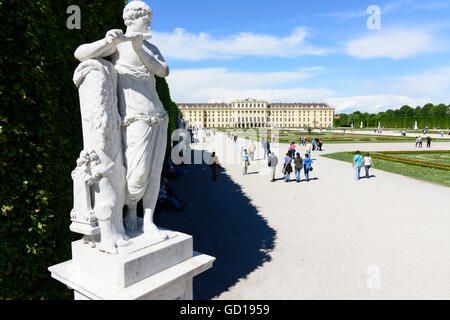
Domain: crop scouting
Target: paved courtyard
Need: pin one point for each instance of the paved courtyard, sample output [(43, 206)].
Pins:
[(331, 238)]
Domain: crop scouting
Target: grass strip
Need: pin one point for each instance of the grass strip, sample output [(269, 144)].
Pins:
[(425, 173)]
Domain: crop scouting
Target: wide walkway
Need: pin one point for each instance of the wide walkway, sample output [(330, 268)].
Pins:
[(331, 238)]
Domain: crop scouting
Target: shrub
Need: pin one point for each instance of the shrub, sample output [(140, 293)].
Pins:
[(40, 136)]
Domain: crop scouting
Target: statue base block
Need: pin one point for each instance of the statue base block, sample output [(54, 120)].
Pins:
[(145, 270)]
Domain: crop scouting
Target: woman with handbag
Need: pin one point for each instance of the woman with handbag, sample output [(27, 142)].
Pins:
[(287, 167)]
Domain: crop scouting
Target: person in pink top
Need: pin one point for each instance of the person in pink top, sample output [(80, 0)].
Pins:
[(292, 150)]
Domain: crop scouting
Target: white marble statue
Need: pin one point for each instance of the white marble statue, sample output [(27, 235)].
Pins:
[(141, 121)]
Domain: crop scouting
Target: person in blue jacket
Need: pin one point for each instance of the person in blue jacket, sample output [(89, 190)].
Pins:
[(307, 162)]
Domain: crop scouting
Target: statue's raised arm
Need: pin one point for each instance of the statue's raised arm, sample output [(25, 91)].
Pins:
[(149, 54), (101, 48)]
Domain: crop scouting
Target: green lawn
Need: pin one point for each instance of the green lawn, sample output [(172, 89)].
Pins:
[(434, 175), (328, 137)]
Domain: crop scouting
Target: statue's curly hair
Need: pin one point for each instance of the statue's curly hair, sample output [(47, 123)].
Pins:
[(134, 10)]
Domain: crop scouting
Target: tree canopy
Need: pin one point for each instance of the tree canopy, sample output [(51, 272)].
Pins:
[(431, 116)]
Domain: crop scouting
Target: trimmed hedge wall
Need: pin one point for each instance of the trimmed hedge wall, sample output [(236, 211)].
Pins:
[(172, 109), (40, 136)]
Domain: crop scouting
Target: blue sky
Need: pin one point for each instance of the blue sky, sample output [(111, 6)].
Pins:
[(306, 51)]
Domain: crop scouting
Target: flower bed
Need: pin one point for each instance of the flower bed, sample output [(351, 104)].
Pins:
[(413, 152), (338, 138), (411, 162), (385, 138)]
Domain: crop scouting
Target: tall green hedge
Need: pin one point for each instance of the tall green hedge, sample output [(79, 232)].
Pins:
[(431, 116), (40, 136), (172, 109)]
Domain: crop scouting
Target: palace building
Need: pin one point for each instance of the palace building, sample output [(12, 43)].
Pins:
[(251, 113)]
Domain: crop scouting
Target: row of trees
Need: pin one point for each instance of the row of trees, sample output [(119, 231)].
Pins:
[(431, 116)]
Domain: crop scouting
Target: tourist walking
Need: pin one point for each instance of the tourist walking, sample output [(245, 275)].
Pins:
[(298, 164), (428, 141), (292, 150), (314, 145), (357, 163), (263, 144), (320, 144), (317, 143), (266, 149), (307, 165), (287, 167), (214, 165), (308, 148), (367, 164), (246, 161), (272, 163), (240, 149), (420, 141), (251, 150)]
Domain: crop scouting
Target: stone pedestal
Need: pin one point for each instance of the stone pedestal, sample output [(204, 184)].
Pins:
[(145, 270)]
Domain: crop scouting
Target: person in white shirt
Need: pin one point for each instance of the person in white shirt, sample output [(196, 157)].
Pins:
[(367, 164), (251, 150), (309, 148)]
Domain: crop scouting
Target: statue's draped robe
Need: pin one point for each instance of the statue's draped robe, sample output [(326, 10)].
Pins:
[(144, 121)]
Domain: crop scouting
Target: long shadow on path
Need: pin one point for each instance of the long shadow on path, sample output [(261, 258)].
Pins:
[(224, 224)]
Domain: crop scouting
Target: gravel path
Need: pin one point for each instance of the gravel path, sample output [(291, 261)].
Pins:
[(331, 238)]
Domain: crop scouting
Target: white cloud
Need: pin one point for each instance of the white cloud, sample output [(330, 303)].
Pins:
[(374, 103), (183, 45), (394, 44), (362, 12), (344, 15), (434, 83), (221, 85), (431, 5)]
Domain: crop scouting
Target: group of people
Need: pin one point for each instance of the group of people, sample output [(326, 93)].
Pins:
[(291, 156), (299, 164), (419, 141), (359, 161), (166, 195), (378, 131), (232, 136)]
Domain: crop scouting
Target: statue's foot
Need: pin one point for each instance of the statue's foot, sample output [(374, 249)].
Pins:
[(121, 242), (130, 221), (108, 246), (152, 230)]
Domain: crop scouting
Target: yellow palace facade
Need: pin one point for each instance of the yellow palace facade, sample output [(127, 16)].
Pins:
[(251, 113)]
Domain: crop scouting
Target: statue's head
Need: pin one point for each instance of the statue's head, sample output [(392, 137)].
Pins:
[(81, 161), (93, 156), (138, 15)]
